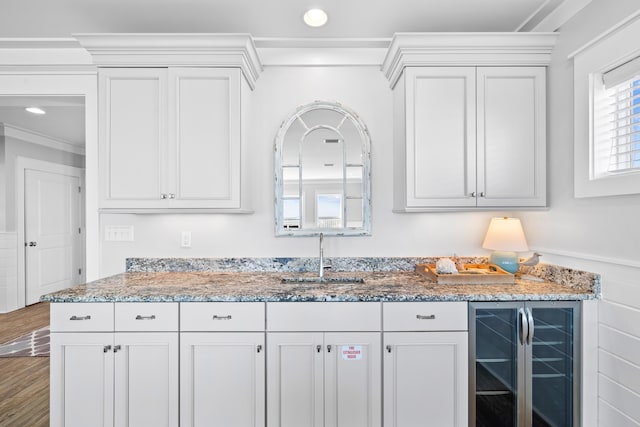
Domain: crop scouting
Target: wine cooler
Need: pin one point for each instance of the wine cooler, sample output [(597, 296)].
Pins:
[(524, 364)]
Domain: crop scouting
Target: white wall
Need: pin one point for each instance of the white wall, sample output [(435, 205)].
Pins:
[(8, 271), (595, 234), (278, 92)]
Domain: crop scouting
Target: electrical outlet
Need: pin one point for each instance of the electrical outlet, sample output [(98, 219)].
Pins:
[(185, 242)]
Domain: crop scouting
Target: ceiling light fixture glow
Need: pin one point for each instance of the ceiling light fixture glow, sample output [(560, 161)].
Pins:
[(315, 17), (35, 110)]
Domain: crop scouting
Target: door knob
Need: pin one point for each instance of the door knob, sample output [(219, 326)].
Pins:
[(33, 243)]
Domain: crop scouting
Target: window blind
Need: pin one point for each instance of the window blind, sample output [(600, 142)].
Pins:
[(624, 124)]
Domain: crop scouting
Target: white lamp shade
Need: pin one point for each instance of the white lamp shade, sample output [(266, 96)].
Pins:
[(505, 234)]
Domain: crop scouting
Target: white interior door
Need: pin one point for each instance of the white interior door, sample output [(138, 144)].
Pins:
[(53, 256)]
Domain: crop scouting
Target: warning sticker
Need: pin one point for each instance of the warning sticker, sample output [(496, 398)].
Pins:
[(351, 352)]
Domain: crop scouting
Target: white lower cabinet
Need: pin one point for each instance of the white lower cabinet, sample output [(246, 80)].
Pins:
[(222, 379), (121, 379), (425, 364), (109, 378), (323, 379), (318, 375)]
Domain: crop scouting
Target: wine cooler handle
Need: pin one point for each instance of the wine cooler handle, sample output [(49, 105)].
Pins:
[(531, 326), (524, 326)]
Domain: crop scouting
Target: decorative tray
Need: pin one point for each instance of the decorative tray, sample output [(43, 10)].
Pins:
[(473, 274)]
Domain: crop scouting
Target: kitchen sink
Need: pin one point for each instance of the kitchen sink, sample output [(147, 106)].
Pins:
[(328, 280)]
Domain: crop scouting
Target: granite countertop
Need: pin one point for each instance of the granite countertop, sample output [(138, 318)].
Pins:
[(398, 285)]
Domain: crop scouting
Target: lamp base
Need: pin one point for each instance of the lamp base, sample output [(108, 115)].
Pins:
[(508, 261)]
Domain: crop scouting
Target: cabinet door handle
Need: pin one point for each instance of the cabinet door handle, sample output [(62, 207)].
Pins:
[(524, 326), (388, 349), (473, 194), (318, 348), (106, 348), (216, 317), (33, 243), (172, 196), (74, 317), (427, 317), (482, 194), (141, 317), (163, 196), (531, 327), (258, 348), (329, 349), (117, 348)]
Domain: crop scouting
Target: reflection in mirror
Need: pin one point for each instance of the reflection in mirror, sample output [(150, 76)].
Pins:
[(322, 171)]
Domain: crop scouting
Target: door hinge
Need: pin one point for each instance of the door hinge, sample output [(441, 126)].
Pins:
[(80, 271), (79, 230), (79, 189)]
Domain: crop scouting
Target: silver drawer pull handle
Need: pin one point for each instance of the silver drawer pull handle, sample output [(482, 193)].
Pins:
[(389, 349), (117, 348), (216, 317), (429, 317), (106, 348), (141, 317), (74, 317)]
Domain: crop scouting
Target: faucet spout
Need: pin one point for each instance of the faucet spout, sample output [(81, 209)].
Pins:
[(321, 258)]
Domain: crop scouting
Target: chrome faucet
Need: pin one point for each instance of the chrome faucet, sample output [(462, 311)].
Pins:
[(321, 258)]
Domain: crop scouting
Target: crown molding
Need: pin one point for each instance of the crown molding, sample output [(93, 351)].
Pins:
[(470, 49), (52, 52), (26, 135), (174, 49)]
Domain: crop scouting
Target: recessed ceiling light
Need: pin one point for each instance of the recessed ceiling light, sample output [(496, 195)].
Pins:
[(315, 17), (35, 110)]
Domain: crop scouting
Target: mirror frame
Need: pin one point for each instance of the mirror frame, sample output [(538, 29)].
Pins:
[(365, 141)]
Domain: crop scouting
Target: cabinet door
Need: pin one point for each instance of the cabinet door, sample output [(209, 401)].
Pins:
[(146, 379), (425, 379), (353, 379), (132, 137), (511, 136), (81, 379), (222, 379), (295, 379), (204, 129), (552, 365), (440, 136), (498, 378)]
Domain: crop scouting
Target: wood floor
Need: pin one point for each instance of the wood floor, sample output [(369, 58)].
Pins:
[(24, 381)]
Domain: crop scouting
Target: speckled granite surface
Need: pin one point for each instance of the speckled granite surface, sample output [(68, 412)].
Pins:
[(385, 279)]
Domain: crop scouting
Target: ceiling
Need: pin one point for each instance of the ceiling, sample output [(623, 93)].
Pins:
[(262, 18), (378, 19)]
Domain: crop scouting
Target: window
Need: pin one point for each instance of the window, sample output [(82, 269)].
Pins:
[(617, 120), (607, 113)]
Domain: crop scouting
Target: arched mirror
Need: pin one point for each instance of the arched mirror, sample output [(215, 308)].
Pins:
[(322, 172)]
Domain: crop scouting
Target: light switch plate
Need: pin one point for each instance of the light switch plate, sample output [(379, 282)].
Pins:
[(185, 241), (118, 233)]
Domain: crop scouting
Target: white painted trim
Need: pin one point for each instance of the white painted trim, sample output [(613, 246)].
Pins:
[(174, 49), (626, 21), (42, 52), (22, 164), (473, 49), (321, 56), (588, 257), (604, 53), (26, 135), (533, 15), (566, 10), (78, 85)]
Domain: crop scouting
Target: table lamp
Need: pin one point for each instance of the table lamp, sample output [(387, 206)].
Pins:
[(506, 237)]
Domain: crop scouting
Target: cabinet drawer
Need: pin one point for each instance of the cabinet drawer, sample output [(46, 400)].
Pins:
[(146, 316), (323, 316), (425, 316), (221, 316), (81, 317)]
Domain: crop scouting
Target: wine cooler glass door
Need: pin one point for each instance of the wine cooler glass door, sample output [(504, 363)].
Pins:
[(551, 364), (499, 380)]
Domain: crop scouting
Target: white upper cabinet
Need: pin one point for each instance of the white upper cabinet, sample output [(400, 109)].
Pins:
[(470, 120), (172, 120), (170, 138)]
